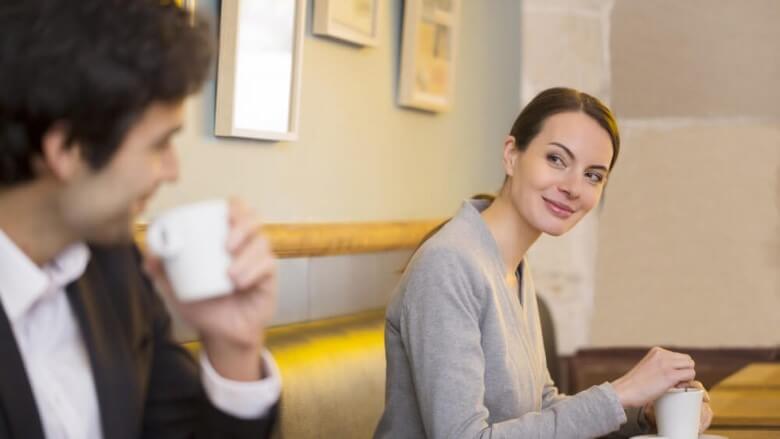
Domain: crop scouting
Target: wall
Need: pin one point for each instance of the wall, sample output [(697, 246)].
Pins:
[(359, 156), (686, 250), (689, 240), (565, 44)]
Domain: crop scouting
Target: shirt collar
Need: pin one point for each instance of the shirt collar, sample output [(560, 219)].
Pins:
[(22, 282), (471, 211)]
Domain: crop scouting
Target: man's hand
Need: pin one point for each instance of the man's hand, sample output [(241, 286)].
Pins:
[(232, 326)]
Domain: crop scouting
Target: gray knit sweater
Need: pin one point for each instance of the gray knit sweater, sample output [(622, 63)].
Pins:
[(465, 357)]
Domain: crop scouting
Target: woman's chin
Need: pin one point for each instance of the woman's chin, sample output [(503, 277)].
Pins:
[(556, 229)]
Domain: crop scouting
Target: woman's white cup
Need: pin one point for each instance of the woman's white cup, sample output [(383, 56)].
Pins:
[(191, 240), (678, 413)]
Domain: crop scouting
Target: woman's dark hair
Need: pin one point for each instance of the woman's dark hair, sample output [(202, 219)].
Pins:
[(561, 100), (94, 66)]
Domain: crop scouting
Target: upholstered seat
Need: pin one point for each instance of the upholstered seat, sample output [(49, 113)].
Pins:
[(333, 374)]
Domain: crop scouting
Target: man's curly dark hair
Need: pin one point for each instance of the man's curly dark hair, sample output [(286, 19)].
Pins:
[(94, 66)]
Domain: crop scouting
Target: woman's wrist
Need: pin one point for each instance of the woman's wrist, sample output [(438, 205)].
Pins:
[(622, 389)]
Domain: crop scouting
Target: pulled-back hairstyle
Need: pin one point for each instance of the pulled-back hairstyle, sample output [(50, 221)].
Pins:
[(531, 119), (561, 100), (94, 66)]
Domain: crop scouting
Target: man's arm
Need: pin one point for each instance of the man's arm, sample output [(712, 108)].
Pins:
[(177, 404)]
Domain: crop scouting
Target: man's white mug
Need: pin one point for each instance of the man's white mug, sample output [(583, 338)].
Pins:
[(678, 413), (191, 240)]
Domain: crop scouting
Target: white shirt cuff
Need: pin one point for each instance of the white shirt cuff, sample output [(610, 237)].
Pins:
[(242, 399)]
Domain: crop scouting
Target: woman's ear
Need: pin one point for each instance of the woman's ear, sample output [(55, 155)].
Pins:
[(510, 155)]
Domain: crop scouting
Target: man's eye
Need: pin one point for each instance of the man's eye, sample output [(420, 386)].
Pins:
[(163, 145)]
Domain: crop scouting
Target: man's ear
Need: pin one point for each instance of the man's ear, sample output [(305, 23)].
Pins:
[(510, 155), (58, 158)]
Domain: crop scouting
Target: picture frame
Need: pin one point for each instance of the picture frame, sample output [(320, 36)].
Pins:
[(259, 69), (428, 54), (353, 21)]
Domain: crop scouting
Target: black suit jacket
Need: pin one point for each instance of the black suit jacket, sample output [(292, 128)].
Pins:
[(147, 385)]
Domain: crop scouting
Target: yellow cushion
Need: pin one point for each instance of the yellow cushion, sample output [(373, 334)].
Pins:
[(333, 376)]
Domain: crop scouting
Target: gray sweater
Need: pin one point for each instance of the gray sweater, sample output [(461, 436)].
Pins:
[(465, 357)]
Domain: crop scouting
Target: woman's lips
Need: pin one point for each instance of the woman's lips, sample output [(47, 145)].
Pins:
[(560, 210)]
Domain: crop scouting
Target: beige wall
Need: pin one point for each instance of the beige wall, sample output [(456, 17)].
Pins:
[(360, 157), (696, 58), (689, 240), (565, 44), (686, 250)]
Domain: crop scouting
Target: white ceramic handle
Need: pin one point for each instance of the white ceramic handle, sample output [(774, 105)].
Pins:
[(163, 241)]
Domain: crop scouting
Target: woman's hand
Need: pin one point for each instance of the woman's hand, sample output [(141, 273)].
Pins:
[(705, 419), (657, 372), (706, 410)]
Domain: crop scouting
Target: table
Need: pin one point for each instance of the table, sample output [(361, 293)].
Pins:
[(750, 398), (746, 433), (755, 375), (745, 408)]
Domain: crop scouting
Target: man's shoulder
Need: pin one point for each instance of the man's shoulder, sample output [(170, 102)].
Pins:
[(104, 253), (122, 260), (115, 272)]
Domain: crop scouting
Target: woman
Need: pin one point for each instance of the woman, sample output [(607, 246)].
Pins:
[(465, 357)]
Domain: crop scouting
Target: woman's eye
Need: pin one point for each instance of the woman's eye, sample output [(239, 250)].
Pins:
[(594, 177), (556, 160)]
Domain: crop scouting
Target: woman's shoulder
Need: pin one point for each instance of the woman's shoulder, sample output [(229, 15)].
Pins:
[(454, 246), (446, 265)]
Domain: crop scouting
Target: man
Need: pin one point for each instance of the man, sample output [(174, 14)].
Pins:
[(91, 92)]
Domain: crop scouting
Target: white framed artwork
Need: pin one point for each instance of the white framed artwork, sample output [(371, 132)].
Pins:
[(354, 21), (428, 53), (259, 68)]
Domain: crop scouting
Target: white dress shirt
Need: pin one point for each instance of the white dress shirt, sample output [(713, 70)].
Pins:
[(56, 360)]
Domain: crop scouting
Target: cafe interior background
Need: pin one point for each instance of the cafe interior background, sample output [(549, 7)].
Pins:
[(683, 252)]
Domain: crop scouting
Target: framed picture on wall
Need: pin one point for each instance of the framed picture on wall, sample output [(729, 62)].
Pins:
[(354, 21), (259, 68), (428, 50)]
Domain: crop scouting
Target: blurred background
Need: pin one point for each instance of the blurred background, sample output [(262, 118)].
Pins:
[(685, 250)]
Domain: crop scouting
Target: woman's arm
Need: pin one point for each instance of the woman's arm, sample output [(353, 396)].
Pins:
[(440, 329)]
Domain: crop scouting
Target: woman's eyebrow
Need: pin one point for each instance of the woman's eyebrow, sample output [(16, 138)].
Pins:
[(572, 157)]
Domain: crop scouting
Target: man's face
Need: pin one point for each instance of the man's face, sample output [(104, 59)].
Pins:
[(99, 206)]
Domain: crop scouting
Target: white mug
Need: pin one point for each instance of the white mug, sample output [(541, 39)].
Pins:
[(678, 413), (191, 240)]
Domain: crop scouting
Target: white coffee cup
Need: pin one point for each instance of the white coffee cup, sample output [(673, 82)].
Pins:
[(678, 413), (191, 240)]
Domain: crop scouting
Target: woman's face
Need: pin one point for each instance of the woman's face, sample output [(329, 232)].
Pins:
[(560, 176)]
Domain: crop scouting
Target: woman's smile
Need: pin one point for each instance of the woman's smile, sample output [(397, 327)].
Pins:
[(560, 210)]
